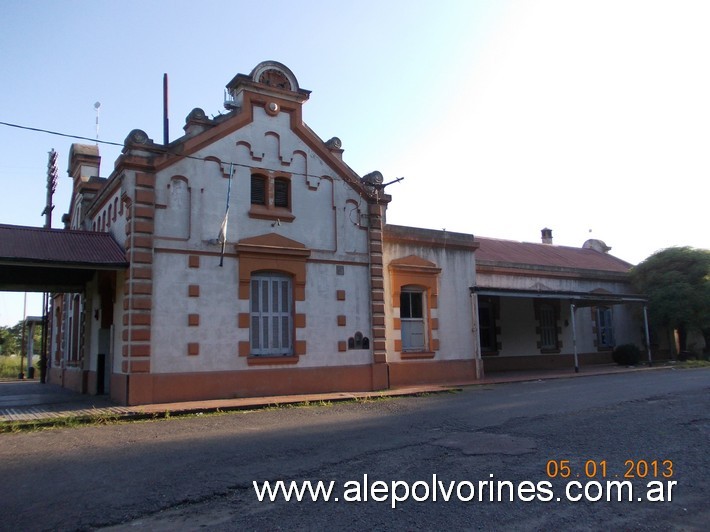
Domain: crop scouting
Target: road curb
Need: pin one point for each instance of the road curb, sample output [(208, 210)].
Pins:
[(34, 418)]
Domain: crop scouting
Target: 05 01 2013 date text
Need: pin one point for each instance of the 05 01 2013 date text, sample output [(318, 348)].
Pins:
[(637, 468)]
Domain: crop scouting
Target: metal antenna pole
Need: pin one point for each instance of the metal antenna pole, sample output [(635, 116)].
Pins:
[(97, 106)]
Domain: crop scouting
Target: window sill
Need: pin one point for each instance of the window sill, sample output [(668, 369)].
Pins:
[(549, 351), (417, 355), (264, 360), (490, 353), (279, 214)]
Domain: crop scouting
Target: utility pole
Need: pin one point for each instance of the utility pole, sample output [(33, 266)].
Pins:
[(52, 176)]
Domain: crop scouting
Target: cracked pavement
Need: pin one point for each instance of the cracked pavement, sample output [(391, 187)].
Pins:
[(196, 472)]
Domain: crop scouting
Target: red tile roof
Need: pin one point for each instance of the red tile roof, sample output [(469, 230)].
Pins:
[(509, 252), (59, 246)]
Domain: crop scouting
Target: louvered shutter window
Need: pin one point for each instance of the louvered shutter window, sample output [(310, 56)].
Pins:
[(258, 190), (281, 193), (271, 317)]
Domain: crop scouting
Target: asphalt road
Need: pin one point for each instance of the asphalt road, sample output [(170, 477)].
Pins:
[(198, 472)]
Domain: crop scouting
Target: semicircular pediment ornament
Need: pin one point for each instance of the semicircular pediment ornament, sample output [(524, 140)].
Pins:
[(275, 78), (276, 75)]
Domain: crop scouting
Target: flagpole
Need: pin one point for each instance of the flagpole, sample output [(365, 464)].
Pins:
[(223, 230)]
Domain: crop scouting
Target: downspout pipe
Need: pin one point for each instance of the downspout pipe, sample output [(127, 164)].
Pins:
[(574, 337), (476, 335)]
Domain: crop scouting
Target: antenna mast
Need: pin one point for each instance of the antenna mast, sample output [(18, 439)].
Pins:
[(97, 105), (166, 123)]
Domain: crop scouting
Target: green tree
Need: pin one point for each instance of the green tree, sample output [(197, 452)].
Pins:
[(677, 283), (10, 339)]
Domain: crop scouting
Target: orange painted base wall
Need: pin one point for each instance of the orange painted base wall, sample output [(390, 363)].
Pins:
[(553, 361), (146, 388), (431, 372), (118, 390)]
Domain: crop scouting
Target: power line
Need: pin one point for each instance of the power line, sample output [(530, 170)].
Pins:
[(39, 130), (156, 147)]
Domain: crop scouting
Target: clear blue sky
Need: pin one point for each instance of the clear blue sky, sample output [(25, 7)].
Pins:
[(588, 117)]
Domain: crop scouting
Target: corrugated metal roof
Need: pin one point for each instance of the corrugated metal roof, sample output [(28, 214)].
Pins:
[(493, 250), (59, 246)]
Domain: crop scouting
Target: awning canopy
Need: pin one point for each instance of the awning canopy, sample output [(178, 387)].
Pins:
[(579, 299), (33, 259)]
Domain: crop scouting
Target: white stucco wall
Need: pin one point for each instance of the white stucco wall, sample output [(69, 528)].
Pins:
[(518, 337), (217, 306), (517, 327), (322, 308), (325, 208), (326, 220), (454, 312)]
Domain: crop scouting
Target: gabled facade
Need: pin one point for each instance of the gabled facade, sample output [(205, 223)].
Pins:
[(259, 264)]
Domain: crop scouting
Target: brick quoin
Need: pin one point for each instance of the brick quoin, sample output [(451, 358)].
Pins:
[(140, 319), (142, 211), (142, 303), (143, 241), (147, 197), (140, 350), (144, 227), (145, 180), (145, 257)]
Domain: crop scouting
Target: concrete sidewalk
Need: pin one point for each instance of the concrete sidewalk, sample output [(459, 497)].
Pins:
[(36, 404)]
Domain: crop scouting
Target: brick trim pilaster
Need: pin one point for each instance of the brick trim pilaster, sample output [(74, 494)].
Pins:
[(140, 230), (376, 213)]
